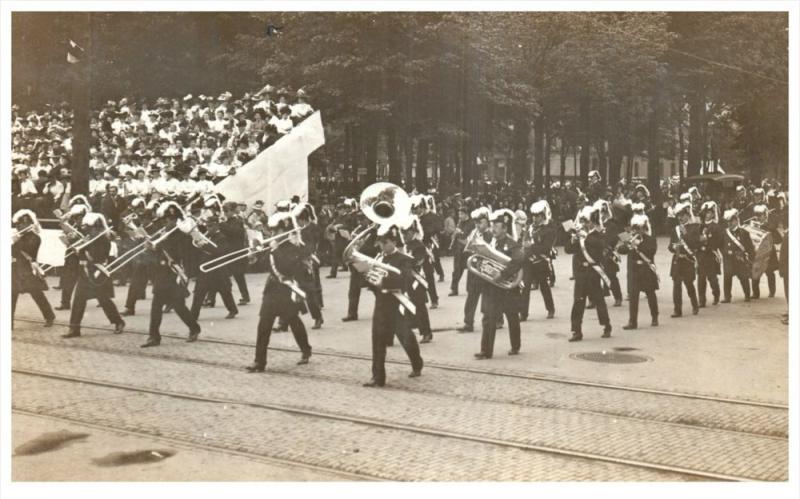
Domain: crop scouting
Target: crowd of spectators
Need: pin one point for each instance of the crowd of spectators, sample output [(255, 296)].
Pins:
[(168, 147)]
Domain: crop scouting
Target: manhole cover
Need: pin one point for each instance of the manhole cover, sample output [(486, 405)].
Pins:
[(611, 357)]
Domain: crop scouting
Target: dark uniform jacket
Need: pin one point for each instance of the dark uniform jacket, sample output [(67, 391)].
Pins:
[(460, 241), (96, 253), (640, 273), (684, 255), (23, 278), (539, 253), (432, 225), (416, 250), (235, 236), (511, 248), (392, 281), (165, 279), (708, 252), (595, 246), (740, 262), (286, 262)]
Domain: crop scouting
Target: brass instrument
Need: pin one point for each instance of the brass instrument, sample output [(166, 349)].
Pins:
[(488, 263), (242, 253), (383, 204), (17, 234)]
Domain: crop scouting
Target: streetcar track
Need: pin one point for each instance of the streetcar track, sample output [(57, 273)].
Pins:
[(233, 367), (193, 445), (707, 475), (454, 368)]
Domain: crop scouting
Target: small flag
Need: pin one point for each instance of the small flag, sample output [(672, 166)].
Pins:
[(74, 53)]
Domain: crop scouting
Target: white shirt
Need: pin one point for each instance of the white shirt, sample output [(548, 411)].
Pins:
[(301, 110), (97, 186), (28, 187), (284, 126)]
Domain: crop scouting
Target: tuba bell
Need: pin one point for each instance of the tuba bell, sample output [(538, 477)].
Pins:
[(382, 203), (488, 263)]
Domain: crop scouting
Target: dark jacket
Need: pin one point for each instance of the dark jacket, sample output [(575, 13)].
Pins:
[(23, 278), (639, 271)]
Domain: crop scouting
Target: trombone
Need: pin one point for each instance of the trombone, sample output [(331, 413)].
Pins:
[(121, 261), (242, 253)]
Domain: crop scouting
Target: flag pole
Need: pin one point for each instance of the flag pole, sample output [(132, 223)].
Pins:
[(81, 103)]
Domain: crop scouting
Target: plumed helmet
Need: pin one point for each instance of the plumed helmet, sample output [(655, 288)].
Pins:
[(731, 214), (642, 221), (482, 212)]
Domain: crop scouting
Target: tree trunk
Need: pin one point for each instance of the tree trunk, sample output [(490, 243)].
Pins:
[(82, 83), (547, 147), (697, 118), (371, 155), (538, 154), (585, 141), (614, 161), (563, 159), (682, 148), (519, 152), (408, 155), (422, 165), (653, 157), (393, 153)]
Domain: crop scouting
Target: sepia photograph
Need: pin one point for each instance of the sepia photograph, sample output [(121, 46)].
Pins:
[(422, 244)]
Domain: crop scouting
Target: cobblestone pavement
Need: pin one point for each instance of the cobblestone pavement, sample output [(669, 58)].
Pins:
[(735, 351), (74, 463), (681, 446), (450, 383), (341, 445)]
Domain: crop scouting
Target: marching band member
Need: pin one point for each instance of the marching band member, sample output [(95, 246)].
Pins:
[(356, 281), (709, 258), (309, 232), (641, 250), (480, 216), (339, 234), (282, 296), (498, 301), (684, 243), (587, 246), (216, 281), (233, 230), (612, 227), (419, 205), (137, 216), (26, 275), (738, 253), (464, 228), (95, 251), (170, 284), (78, 207), (390, 318), (538, 266), (433, 225), (764, 220), (415, 248)]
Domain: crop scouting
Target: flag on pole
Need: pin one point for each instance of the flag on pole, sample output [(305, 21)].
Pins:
[(74, 53), (278, 172)]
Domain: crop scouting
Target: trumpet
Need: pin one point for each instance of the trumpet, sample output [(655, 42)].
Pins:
[(242, 253)]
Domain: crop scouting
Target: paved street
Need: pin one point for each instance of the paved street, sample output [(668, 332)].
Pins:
[(708, 402)]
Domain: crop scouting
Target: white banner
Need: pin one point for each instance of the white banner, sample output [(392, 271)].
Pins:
[(51, 250), (278, 172)]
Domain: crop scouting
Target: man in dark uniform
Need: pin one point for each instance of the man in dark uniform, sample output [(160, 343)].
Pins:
[(432, 224), (342, 229), (429, 226), (766, 221), (233, 230), (170, 283), (139, 270), (684, 243), (282, 295), (480, 216), (96, 252), (310, 282), (641, 250), (464, 228), (26, 275), (390, 318), (357, 282), (538, 249), (709, 258), (79, 206), (215, 281), (613, 225), (738, 253), (415, 248), (587, 246), (499, 301)]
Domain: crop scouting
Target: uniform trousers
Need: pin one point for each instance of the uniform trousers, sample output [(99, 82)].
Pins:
[(178, 305), (269, 312), (41, 301), (652, 302), (205, 285), (706, 278), (388, 321), (474, 289), (82, 293), (496, 303), (588, 285)]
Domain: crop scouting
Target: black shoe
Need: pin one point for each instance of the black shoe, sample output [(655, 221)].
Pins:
[(73, 333), (606, 331), (62, 307), (523, 318), (617, 303), (628, 327), (676, 314), (193, 337), (772, 295), (550, 315), (243, 302), (127, 312), (654, 322), (150, 343), (726, 300), (466, 328), (513, 351), (716, 300), (231, 315), (576, 337), (435, 305), (453, 293), (482, 356), (255, 368), (416, 373), (49, 322), (427, 338), (349, 318), (119, 327), (304, 358), (373, 384), (695, 311), (317, 324), (755, 297)]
